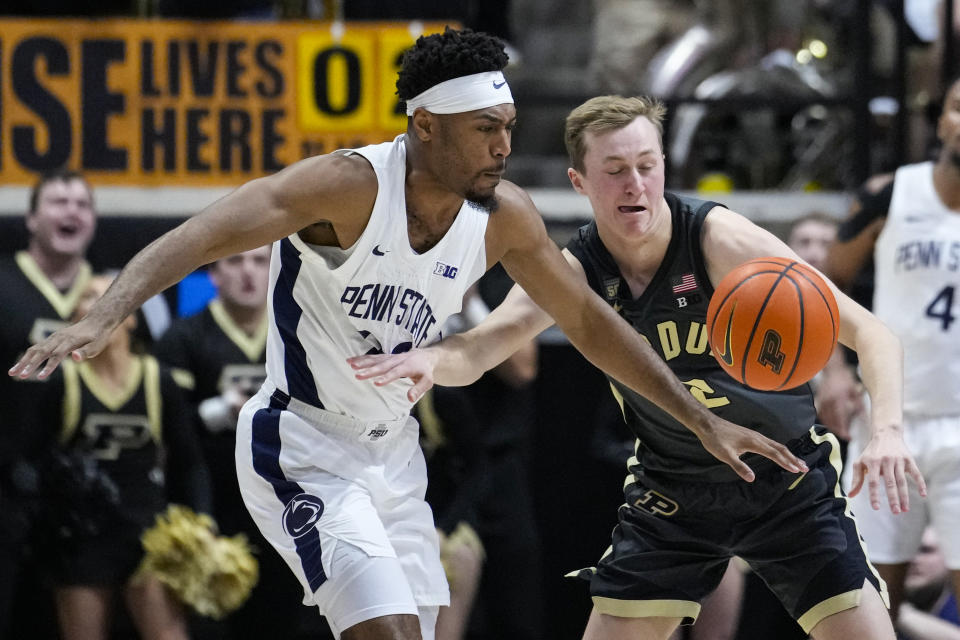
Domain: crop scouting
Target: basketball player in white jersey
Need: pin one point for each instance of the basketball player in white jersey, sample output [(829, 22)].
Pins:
[(373, 249), (910, 223)]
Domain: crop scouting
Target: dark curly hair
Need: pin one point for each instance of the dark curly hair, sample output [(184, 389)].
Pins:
[(443, 56)]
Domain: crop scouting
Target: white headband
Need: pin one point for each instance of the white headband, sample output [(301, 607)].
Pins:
[(466, 93)]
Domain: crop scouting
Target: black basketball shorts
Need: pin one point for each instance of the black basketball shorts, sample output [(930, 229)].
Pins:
[(674, 539)]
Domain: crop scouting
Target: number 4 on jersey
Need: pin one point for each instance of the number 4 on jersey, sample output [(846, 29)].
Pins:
[(941, 306)]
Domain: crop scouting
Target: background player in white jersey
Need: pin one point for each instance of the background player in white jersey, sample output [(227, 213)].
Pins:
[(909, 223), (374, 248), (684, 515)]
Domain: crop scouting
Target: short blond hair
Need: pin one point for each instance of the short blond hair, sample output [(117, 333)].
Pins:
[(607, 113)]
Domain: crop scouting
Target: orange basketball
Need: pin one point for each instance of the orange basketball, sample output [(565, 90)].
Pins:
[(772, 323)]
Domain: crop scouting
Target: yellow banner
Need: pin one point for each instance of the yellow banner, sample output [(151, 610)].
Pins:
[(156, 102)]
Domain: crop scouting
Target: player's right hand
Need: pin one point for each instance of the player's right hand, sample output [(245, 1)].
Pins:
[(416, 365), (727, 442), (80, 341)]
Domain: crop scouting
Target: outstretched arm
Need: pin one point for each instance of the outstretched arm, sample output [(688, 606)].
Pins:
[(552, 289), (886, 462), (729, 240), (612, 345), (259, 212)]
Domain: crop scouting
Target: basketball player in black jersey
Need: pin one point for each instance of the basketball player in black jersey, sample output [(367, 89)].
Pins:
[(218, 357), (39, 288), (654, 256)]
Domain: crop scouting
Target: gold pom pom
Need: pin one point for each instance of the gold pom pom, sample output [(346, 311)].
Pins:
[(212, 574)]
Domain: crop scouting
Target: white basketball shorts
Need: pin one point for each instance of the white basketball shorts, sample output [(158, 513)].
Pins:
[(321, 486)]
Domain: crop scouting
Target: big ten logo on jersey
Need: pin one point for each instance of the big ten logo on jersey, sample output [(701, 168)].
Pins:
[(245, 378), (656, 503), (108, 434), (445, 270), (687, 300), (43, 327)]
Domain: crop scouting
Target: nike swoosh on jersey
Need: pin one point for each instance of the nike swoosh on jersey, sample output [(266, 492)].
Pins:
[(726, 356), (378, 252)]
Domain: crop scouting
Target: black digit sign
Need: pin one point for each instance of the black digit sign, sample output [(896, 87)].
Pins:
[(321, 81)]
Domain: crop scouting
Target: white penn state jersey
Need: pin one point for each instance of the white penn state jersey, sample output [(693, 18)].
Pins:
[(378, 296), (917, 257)]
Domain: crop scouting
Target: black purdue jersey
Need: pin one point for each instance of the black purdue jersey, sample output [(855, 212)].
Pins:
[(207, 352), (140, 436), (32, 308), (671, 315)]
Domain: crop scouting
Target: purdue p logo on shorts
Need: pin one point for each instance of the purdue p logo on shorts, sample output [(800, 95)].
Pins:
[(656, 503), (301, 513)]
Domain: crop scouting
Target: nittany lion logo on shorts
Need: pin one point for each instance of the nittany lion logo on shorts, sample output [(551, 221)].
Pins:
[(301, 514)]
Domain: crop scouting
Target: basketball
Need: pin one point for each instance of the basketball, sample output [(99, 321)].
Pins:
[(772, 323)]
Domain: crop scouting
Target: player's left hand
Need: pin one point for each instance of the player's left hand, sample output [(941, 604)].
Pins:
[(886, 457), (416, 364)]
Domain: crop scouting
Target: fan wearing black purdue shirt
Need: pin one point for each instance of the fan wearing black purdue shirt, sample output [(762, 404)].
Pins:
[(124, 450), (217, 356), (654, 257), (39, 288), (34, 306)]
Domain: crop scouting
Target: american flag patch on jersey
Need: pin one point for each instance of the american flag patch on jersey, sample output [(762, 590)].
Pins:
[(686, 282)]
